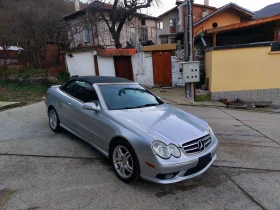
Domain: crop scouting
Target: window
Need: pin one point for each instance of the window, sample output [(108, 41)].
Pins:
[(173, 22), (81, 91), (144, 34), (164, 40), (70, 88), (173, 40), (143, 22), (173, 25), (86, 34), (160, 25), (128, 97), (215, 25), (132, 34)]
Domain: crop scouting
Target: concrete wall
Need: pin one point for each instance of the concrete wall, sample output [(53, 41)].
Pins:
[(142, 64), (82, 64), (222, 19), (243, 69), (106, 66), (177, 76)]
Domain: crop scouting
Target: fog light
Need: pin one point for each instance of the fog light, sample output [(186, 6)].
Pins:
[(168, 176)]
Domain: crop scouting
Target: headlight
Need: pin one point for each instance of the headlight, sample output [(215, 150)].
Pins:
[(174, 150), (165, 151), (161, 149), (211, 132)]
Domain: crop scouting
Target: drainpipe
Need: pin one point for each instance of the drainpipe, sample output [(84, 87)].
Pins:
[(188, 31)]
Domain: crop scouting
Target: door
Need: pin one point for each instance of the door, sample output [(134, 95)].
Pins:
[(162, 68), (123, 67)]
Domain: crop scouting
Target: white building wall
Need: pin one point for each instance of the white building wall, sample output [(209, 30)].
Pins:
[(82, 64), (177, 76), (142, 64), (106, 66)]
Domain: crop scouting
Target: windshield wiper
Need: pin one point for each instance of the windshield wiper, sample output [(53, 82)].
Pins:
[(145, 105)]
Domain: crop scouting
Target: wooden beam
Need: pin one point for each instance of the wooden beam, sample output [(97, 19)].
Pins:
[(243, 25), (162, 47), (215, 40), (96, 66)]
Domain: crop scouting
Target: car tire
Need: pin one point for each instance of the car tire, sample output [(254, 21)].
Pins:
[(54, 120), (125, 162)]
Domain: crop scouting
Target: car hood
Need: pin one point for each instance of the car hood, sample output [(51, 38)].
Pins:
[(165, 123)]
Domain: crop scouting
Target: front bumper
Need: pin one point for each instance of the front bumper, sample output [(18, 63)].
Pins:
[(183, 168)]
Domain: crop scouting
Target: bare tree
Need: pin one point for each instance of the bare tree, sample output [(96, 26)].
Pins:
[(115, 13), (31, 24)]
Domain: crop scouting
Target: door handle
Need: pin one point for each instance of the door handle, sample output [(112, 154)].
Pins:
[(69, 103)]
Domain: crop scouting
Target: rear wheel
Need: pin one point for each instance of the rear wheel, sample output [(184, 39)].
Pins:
[(125, 162), (54, 120)]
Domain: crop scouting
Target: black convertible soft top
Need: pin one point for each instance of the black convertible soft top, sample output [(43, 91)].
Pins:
[(99, 79)]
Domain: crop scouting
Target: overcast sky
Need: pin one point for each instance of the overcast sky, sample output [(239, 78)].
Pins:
[(253, 5)]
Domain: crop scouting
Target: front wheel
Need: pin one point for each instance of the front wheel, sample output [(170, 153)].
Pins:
[(54, 120), (125, 162)]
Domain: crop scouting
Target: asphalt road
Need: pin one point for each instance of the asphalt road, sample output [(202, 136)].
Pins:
[(43, 170)]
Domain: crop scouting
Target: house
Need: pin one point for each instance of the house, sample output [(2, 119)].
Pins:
[(229, 14), (12, 55), (92, 48), (243, 60), (167, 27), (85, 30)]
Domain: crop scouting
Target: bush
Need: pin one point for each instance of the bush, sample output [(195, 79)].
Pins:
[(63, 76)]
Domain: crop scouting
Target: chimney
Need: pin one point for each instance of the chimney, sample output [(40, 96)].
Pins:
[(206, 2), (77, 5)]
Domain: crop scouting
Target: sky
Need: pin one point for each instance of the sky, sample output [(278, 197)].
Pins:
[(253, 5)]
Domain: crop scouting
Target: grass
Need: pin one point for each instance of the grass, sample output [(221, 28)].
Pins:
[(3, 98), (26, 73), (201, 98), (21, 92)]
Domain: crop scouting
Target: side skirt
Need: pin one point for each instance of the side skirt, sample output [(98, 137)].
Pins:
[(96, 147)]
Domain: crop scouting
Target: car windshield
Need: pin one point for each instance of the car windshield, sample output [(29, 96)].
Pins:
[(128, 97)]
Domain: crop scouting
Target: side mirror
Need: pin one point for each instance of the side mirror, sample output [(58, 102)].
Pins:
[(91, 107)]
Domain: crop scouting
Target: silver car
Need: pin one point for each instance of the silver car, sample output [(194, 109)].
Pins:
[(140, 134)]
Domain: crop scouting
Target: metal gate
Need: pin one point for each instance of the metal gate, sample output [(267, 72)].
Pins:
[(162, 68), (123, 67)]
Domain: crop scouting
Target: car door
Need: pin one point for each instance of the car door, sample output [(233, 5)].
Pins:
[(66, 105), (88, 122)]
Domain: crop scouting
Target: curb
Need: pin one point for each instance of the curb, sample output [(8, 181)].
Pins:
[(223, 107), (10, 106)]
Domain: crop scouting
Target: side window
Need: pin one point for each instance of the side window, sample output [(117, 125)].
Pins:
[(86, 93), (70, 88)]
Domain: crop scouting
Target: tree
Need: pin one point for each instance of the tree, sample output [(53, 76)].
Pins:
[(30, 24), (115, 13)]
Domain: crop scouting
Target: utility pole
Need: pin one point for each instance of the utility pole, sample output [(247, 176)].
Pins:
[(189, 46)]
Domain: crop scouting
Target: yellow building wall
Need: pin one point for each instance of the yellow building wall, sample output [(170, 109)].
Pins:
[(242, 69), (223, 19), (208, 66)]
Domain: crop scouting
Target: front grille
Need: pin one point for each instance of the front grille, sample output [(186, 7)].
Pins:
[(198, 145)]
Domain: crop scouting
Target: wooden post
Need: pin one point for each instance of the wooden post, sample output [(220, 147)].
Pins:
[(215, 40), (96, 66), (5, 62)]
